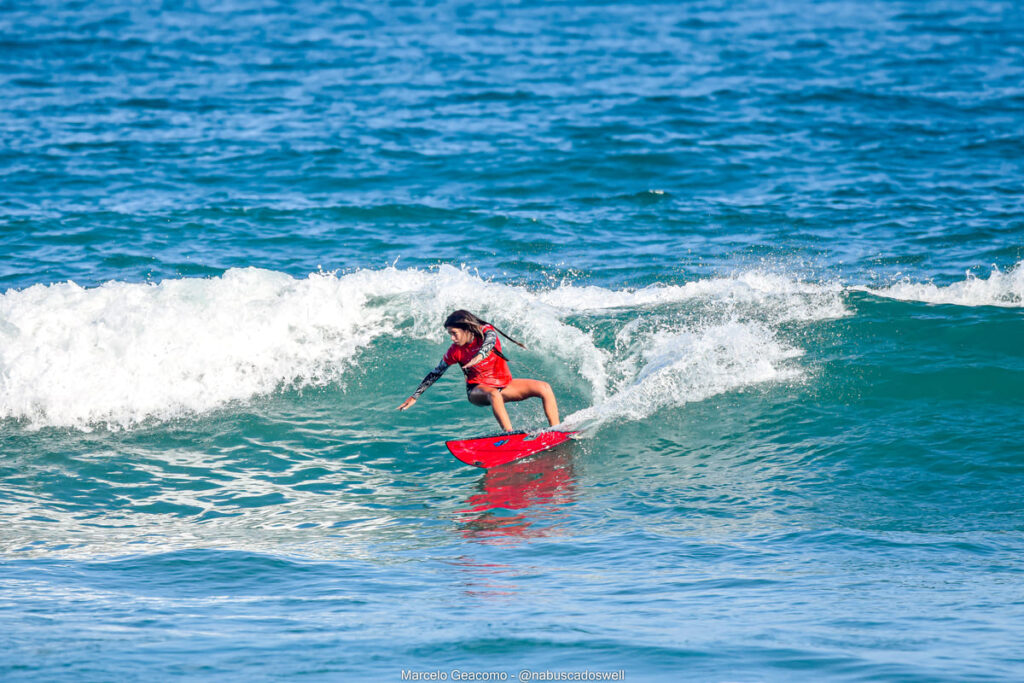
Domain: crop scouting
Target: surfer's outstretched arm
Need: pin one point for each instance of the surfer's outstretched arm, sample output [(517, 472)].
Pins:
[(431, 377)]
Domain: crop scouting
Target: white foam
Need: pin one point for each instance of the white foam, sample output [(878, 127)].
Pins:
[(693, 365), (1005, 289), (786, 297), (122, 353)]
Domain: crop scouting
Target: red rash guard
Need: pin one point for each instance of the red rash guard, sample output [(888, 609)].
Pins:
[(492, 370)]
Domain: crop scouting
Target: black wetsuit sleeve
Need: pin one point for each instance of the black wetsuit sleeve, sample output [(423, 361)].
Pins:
[(431, 377), (490, 339)]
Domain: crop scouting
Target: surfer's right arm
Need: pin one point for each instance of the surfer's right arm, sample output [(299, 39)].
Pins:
[(431, 377)]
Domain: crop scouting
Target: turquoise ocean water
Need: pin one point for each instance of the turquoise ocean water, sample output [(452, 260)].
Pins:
[(768, 254)]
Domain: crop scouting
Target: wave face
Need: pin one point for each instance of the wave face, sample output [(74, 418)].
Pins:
[(121, 354)]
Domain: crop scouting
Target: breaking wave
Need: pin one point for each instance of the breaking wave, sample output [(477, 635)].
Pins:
[(123, 353), (1000, 288)]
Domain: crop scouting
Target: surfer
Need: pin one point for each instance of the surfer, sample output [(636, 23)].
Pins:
[(477, 350)]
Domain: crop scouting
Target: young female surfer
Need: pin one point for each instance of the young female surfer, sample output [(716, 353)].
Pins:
[(477, 349)]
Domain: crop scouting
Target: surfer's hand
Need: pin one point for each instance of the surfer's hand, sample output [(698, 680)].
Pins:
[(407, 403)]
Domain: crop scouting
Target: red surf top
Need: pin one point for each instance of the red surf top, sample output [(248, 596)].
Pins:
[(492, 370)]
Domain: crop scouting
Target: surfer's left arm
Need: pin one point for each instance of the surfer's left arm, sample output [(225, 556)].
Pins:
[(490, 339), (431, 377)]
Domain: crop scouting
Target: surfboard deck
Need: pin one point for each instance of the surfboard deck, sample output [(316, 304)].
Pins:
[(499, 449)]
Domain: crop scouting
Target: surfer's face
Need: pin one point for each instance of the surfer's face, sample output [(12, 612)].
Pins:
[(459, 336)]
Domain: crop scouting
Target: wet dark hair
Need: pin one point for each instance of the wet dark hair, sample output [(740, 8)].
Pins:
[(464, 320)]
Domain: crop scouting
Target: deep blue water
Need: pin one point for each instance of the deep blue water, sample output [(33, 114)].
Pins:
[(768, 254)]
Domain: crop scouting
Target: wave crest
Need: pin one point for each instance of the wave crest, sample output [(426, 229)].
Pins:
[(1001, 288), (121, 353)]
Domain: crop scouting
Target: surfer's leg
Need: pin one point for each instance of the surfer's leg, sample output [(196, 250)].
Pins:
[(484, 394), (520, 389), (477, 396)]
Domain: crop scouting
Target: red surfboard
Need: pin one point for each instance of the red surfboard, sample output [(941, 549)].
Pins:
[(490, 451)]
